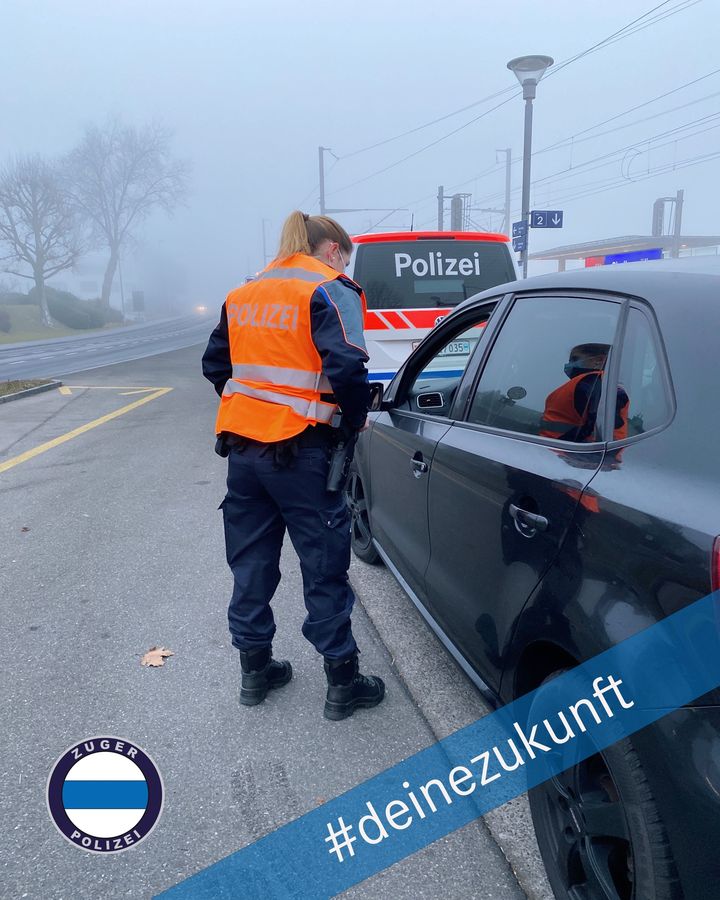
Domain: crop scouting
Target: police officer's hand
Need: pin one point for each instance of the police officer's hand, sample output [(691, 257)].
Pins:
[(365, 425)]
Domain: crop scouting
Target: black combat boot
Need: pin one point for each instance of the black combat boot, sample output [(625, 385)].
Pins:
[(260, 674), (348, 690)]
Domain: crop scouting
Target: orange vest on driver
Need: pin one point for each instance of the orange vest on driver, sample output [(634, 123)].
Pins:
[(560, 414), (277, 381)]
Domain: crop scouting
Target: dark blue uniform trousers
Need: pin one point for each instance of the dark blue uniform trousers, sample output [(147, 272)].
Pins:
[(262, 501)]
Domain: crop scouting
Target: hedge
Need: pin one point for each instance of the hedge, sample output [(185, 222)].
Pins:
[(74, 312)]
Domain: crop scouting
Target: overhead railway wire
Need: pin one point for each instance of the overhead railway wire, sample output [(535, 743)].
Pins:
[(581, 168), (619, 182), (613, 38), (571, 140), (630, 28), (417, 128), (644, 144), (573, 137), (644, 176), (626, 31)]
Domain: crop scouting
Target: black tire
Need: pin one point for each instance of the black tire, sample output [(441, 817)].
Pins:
[(600, 833), (360, 533)]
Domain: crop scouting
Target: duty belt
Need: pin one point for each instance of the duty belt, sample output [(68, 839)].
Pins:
[(312, 436)]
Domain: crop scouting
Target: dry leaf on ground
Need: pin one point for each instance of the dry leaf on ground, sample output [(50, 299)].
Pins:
[(156, 656)]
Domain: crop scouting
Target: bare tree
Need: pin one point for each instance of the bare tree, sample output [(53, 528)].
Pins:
[(38, 226), (118, 175)]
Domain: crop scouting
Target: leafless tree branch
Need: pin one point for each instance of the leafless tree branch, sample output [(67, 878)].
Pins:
[(38, 225), (118, 175)]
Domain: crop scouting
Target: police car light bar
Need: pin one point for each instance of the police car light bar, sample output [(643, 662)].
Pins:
[(429, 235)]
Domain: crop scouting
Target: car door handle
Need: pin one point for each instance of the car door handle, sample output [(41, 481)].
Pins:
[(526, 520), (419, 467)]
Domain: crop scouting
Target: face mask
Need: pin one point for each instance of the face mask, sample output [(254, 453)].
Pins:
[(572, 369)]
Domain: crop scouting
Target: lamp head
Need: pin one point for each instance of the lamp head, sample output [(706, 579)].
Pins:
[(529, 70)]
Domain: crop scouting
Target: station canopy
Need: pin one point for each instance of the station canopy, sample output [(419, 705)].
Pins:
[(629, 243)]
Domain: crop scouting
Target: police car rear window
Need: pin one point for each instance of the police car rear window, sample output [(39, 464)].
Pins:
[(429, 273)]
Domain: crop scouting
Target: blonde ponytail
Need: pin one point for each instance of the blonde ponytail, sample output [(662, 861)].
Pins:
[(294, 236), (304, 234)]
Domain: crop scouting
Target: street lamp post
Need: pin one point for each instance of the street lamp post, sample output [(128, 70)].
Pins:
[(528, 71)]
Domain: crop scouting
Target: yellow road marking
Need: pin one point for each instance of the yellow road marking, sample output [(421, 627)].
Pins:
[(136, 391), (65, 390), (76, 432)]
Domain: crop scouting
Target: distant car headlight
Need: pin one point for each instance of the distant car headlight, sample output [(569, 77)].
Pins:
[(201, 309)]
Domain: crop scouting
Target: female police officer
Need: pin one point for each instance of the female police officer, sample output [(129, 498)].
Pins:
[(288, 351)]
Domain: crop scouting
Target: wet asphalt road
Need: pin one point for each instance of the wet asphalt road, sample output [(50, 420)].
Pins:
[(111, 543), (59, 356)]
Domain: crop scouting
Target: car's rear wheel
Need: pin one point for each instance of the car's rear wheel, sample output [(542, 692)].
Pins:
[(600, 833), (360, 534)]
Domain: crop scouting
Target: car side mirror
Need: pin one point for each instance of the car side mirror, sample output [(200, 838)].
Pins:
[(377, 389)]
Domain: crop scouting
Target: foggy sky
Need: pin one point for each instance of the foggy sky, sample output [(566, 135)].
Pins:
[(251, 90)]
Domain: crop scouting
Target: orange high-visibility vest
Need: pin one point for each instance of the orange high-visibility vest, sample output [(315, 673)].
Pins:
[(560, 414), (277, 380)]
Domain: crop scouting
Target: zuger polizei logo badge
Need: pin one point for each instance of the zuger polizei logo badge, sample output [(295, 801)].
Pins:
[(105, 794)]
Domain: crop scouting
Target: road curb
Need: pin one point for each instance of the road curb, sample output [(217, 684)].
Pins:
[(447, 701), (28, 392)]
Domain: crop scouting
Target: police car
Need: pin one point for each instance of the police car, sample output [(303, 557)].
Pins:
[(412, 280)]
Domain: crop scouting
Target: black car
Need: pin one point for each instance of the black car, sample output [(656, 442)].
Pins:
[(542, 477)]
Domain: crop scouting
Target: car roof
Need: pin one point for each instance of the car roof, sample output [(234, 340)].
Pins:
[(657, 279), (389, 236)]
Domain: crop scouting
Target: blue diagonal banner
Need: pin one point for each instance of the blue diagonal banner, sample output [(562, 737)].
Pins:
[(478, 768)]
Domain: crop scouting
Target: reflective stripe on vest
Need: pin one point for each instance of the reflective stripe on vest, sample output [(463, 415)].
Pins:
[(285, 273), (309, 409), (282, 377)]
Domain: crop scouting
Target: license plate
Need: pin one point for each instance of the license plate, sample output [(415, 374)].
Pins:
[(456, 348)]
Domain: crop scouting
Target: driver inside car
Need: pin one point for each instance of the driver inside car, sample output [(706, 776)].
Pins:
[(570, 412)]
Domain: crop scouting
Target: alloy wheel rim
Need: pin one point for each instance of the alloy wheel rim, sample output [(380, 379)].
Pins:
[(587, 832), (360, 522)]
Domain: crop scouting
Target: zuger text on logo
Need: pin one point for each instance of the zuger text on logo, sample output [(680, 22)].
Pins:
[(437, 264)]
